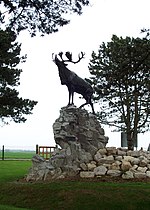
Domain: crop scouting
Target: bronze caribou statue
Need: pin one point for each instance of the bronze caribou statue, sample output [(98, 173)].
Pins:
[(73, 82)]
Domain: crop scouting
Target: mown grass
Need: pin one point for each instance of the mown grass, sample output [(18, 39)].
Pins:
[(68, 194), (13, 170), (17, 155)]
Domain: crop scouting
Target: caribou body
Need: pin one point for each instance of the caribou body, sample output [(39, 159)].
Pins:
[(73, 82)]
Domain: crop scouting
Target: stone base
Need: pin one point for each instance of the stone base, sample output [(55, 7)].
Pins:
[(79, 135), (79, 126), (83, 152), (106, 162)]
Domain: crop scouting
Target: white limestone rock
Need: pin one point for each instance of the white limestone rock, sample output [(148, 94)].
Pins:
[(134, 168), (115, 166), (148, 156), (142, 169), (128, 175), (114, 173), (97, 156), (91, 166), (135, 153), (128, 158), (125, 166), (119, 158), (100, 170), (87, 174), (106, 160), (121, 153), (148, 174), (111, 151), (140, 175), (135, 161), (143, 162), (148, 166), (102, 151), (83, 166)]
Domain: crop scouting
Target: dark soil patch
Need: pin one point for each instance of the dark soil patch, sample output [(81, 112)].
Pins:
[(106, 179)]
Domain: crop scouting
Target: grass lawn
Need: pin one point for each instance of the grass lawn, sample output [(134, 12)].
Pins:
[(18, 154), (13, 170), (68, 194)]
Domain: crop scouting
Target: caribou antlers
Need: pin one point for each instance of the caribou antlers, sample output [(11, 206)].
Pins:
[(69, 56)]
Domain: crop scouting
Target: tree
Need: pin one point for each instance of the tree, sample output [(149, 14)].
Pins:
[(11, 105), (121, 80), (44, 16)]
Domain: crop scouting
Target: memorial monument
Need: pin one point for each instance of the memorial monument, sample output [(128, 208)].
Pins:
[(81, 141), (77, 132)]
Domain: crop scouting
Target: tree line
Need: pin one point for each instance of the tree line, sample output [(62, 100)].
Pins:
[(36, 16), (120, 69), (121, 79)]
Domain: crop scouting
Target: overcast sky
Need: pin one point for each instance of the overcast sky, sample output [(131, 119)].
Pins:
[(40, 80)]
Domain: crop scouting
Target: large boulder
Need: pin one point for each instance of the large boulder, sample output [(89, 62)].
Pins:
[(77, 125)]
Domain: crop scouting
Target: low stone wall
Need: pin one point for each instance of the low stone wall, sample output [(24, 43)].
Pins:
[(108, 161), (119, 162), (84, 153)]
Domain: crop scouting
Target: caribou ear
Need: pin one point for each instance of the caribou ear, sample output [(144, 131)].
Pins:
[(53, 56)]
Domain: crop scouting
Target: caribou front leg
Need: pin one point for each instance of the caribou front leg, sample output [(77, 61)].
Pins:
[(92, 108), (71, 94), (69, 98)]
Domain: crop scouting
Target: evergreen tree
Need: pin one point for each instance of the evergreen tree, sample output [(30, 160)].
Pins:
[(45, 16), (11, 105), (121, 79)]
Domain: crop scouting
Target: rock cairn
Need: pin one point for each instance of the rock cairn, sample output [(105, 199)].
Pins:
[(83, 152), (79, 135), (76, 126)]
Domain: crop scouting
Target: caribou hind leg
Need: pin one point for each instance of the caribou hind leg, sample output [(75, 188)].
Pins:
[(83, 105), (88, 102), (92, 108)]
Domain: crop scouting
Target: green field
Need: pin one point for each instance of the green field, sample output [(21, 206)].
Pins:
[(17, 154), (67, 194)]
